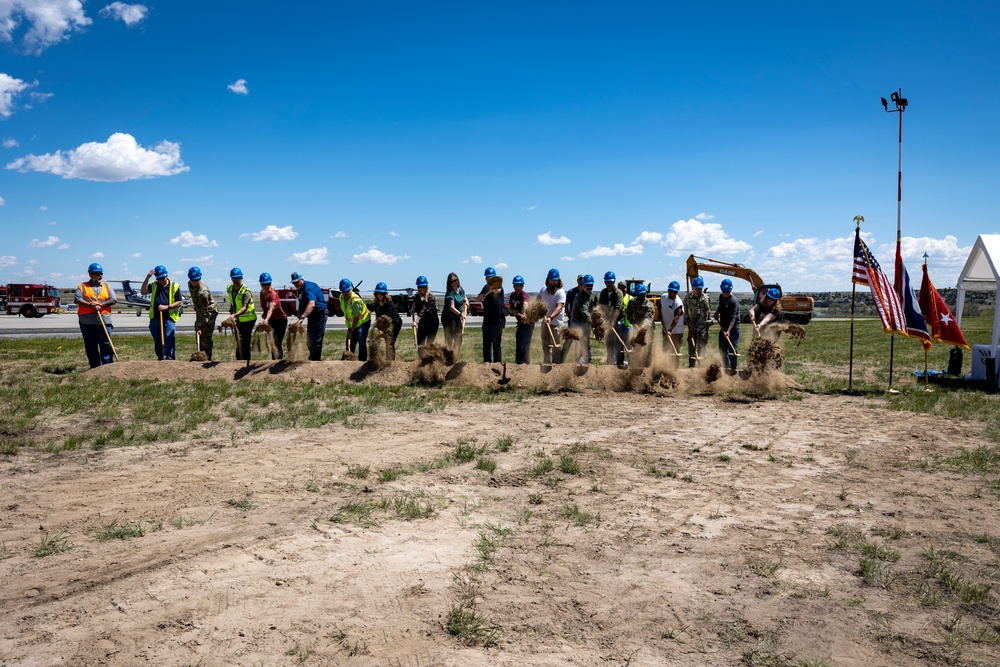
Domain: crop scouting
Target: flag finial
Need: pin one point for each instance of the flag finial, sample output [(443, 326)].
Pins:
[(925, 256), (858, 219)]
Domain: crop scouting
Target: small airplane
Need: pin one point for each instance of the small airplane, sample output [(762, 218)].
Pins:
[(140, 302)]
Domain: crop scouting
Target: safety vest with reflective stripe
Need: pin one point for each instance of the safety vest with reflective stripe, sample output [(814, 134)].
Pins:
[(250, 314), (366, 316), (625, 301), (172, 292), (88, 293)]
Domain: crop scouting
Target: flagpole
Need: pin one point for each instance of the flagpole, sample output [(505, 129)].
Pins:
[(901, 104), (926, 349), (858, 219)]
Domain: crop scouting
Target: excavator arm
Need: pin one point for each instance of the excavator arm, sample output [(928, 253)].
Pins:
[(797, 307)]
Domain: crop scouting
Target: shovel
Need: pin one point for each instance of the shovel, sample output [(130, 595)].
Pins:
[(100, 318), (670, 338), (728, 340), (163, 338), (624, 346)]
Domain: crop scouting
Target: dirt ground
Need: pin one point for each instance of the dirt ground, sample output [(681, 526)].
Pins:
[(678, 523)]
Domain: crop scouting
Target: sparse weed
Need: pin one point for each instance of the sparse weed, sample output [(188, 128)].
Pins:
[(504, 443), (487, 464), (568, 465), (725, 458), (764, 567), (575, 515), (542, 467), (358, 471), (243, 504), (52, 544), (120, 531), (389, 475)]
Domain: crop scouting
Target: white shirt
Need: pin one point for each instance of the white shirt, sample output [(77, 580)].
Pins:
[(667, 308), (553, 300)]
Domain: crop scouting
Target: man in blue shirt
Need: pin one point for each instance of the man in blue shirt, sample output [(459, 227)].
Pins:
[(312, 308)]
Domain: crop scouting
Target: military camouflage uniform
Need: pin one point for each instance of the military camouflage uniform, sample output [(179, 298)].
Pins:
[(698, 313), (205, 313), (640, 312)]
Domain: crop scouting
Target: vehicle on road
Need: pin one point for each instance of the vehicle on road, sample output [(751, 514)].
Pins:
[(28, 299)]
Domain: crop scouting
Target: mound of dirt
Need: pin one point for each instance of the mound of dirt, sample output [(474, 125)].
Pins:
[(348, 356)]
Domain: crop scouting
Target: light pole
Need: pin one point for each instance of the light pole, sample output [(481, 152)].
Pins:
[(900, 102)]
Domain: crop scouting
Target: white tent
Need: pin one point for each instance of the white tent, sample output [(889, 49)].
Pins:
[(982, 273)]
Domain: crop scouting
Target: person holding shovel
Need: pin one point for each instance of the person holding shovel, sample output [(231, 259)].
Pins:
[(164, 310), (516, 303), (242, 310), (312, 308), (385, 306), (727, 314), (357, 318), (698, 315), (456, 309), (579, 319), (767, 310), (554, 298), (612, 303), (205, 311), (274, 316), (494, 315), (94, 299), (424, 312), (641, 313), (672, 316)]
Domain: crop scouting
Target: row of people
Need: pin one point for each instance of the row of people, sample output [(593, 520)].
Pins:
[(623, 311)]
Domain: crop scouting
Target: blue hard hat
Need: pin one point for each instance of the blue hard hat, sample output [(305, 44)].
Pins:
[(518, 280), (235, 272), (609, 277), (381, 288), (95, 268), (489, 272), (726, 286), (194, 273), (160, 271), (265, 278), (674, 286), (553, 274), (773, 293), (588, 279), (640, 289), (698, 282), (421, 281), (346, 284)]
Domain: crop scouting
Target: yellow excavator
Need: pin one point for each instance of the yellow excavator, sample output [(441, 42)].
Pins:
[(796, 308)]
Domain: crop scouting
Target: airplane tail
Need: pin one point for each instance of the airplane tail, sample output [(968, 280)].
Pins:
[(128, 289)]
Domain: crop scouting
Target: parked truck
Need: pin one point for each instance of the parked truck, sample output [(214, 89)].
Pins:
[(28, 299), (796, 308)]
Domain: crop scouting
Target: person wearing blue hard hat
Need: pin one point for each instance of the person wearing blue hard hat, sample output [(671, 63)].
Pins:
[(357, 318), (273, 316), (385, 307), (94, 299), (454, 313), (727, 314), (672, 318), (553, 297), (424, 314), (579, 319), (641, 313), (242, 311), (517, 303), (494, 315), (164, 311), (312, 309), (698, 316), (205, 312), (612, 303), (767, 310)]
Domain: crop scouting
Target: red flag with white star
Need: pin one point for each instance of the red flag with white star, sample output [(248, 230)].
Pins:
[(944, 327)]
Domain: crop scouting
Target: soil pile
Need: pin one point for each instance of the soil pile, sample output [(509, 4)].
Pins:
[(433, 365), (348, 356)]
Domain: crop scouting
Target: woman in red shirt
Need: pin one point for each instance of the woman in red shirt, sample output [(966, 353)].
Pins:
[(274, 316)]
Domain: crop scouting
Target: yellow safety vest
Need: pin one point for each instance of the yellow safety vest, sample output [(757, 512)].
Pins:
[(365, 314), (250, 314), (89, 294), (173, 290), (625, 301)]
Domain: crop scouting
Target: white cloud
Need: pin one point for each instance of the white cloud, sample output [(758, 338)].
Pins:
[(567, 259), (9, 89), (188, 239), (206, 260), (272, 233), (64, 246), (47, 243), (500, 265), (239, 87), (37, 97), (393, 234), (704, 216), (3, 202), (693, 237), (475, 259), (648, 238), (530, 208), (97, 255), (548, 239), (51, 21), (941, 252), (120, 158), (618, 249), (10, 143), (28, 271), (340, 235), (311, 256), (43, 208), (757, 233), (7, 260), (130, 15), (136, 255), (32, 261), (375, 256)]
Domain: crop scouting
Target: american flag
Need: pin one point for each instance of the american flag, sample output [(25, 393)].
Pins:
[(868, 272)]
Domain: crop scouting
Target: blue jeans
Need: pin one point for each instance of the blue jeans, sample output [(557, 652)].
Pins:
[(359, 340), (97, 345), (522, 342), (492, 334), (315, 330), (728, 354), (166, 349), (625, 332)]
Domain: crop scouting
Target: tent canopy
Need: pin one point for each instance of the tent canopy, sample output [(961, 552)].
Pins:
[(982, 273)]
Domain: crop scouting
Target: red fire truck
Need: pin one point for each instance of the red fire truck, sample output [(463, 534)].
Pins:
[(28, 300)]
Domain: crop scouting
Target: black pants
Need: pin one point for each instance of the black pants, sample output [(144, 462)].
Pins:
[(278, 328), (492, 334), (246, 331)]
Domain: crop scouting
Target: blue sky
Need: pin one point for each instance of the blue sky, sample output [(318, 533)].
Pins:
[(379, 141)]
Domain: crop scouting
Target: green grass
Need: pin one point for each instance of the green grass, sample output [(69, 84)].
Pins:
[(120, 531), (243, 503), (52, 544)]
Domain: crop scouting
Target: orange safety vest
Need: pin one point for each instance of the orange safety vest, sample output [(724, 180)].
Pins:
[(88, 293)]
